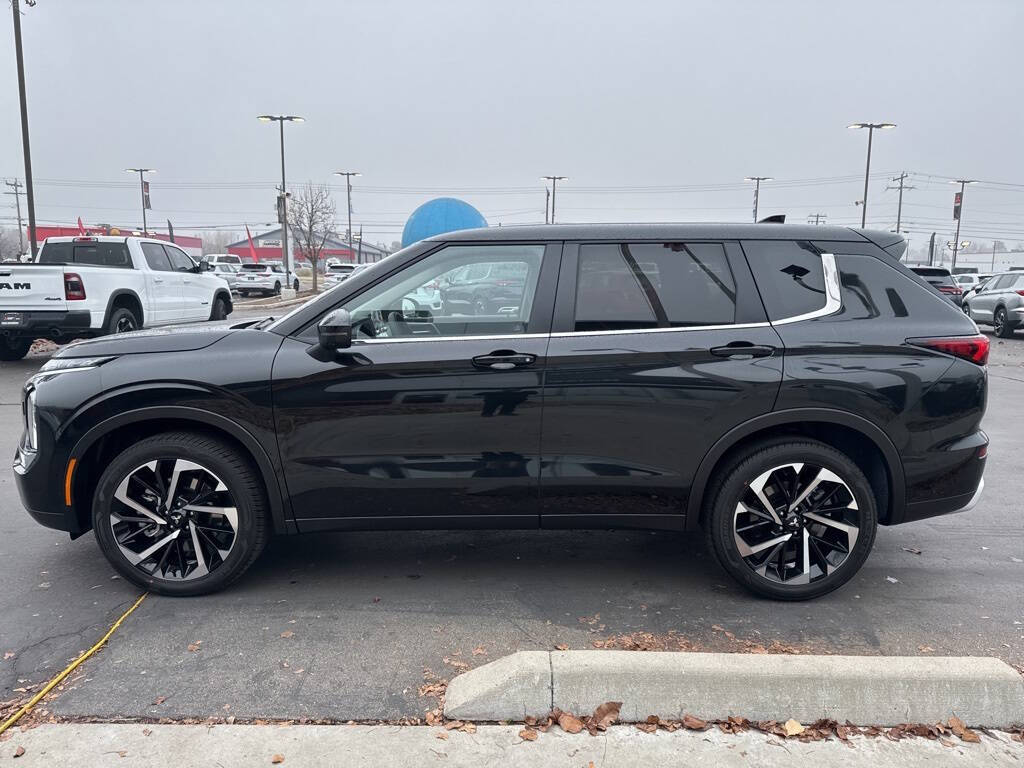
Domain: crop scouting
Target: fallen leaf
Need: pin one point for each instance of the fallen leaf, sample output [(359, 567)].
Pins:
[(647, 727), (19, 751), (8, 655), (159, 700), (793, 728), (559, 647), (957, 726), (528, 734), (911, 550), (277, 759), (194, 646), (925, 649), (468, 728), (606, 714), (146, 732), (287, 633), (569, 723), (694, 723), (442, 735), (434, 717), (479, 651)]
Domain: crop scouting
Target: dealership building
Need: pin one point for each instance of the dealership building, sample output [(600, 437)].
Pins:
[(267, 247)]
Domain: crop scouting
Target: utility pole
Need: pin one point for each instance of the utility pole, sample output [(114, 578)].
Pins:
[(931, 250), (818, 218), (757, 190), (958, 202), (993, 267), (29, 198), (899, 205), (348, 188), (16, 185), (547, 203), (554, 181)]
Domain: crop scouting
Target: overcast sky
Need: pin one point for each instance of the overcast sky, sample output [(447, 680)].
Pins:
[(430, 97)]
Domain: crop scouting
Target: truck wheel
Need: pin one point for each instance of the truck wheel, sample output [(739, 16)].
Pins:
[(277, 289), (14, 349), (220, 309), (122, 320)]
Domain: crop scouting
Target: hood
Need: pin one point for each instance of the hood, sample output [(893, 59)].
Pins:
[(182, 339)]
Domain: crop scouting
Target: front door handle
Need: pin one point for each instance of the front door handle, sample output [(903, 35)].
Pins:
[(742, 350), (504, 360)]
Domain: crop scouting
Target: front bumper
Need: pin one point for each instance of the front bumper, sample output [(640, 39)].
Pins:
[(45, 324), (40, 493)]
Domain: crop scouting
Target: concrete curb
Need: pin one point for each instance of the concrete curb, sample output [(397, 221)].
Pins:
[(866, 690)]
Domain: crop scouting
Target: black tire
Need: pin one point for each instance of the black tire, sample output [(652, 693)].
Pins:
[(734, 483), (1001, 324), (243, 485), (480, 306), (295, 285), (277, 289), (220, 309), (122, 320), (14, 349), (244, 294)]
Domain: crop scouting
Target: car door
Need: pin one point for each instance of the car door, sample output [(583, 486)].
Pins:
[(428, 419), (196, 291), (163, 286), (983, 303), (657, 350)]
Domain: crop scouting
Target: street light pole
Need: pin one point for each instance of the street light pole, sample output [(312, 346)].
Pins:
[(957, 211), (29, 195), (142, 191), (757, 190), (285, 253), (554, 181), (348, 200), (867, 169)]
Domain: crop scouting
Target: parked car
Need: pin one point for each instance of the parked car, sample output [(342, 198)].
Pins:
[(223, 258), (483, 289), (89, 286), (973, 288), (999, 303), (943, 281), (338, 272), (229, 272), (266, 278), (971, 279), (785, 388)]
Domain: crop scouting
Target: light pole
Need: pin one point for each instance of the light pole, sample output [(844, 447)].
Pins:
[(29, 195), (348, 189), (285, 253), (142, 191), (867, 170), (554, 180), (757, 189), (958, 203)]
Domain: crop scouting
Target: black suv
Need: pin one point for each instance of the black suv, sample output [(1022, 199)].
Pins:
[(784, 388)]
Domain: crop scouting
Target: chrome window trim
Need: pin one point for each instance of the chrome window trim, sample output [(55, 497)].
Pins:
[(833, 295)]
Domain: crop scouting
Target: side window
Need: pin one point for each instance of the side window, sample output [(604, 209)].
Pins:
[(872, 288), (95, 253), (1003, 283), (631, 286), (156, 258), (789, 276), (180, 262), (433, 298)]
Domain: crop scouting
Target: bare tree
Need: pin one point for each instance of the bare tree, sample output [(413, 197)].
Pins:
[(217, 241), (311, 222), (9, 249)]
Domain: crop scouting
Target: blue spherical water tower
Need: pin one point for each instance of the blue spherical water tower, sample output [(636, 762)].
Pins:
[(440, 215)]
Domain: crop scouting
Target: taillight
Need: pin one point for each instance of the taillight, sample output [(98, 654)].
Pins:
[(74, 288), (973, 348), (1020, 293), (951, 289)]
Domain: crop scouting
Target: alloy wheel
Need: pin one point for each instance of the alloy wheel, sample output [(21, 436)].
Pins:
[(796, 523), (999, 322), (174, 519)]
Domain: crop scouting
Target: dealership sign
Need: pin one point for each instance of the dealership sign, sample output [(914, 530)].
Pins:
[(270, 243)]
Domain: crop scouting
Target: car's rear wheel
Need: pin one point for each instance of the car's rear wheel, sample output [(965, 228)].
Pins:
[(220, 309), (180, 513), (14, 349), (1001, 324), (791, 519), (277, 289), (122, 320)]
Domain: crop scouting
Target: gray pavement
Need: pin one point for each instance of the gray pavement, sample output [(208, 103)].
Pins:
[(180, 746), (350, 625)]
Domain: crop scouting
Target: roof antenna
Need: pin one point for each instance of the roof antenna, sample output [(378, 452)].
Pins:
[(778, 218)]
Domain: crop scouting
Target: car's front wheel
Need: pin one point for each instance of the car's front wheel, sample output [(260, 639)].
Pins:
[(791, 519), (180, 513)]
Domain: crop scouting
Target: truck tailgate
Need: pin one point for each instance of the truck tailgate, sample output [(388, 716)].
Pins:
[(31, 287)]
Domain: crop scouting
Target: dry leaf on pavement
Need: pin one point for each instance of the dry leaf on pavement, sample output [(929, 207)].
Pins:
[(562, 647), (793, 728), (694, 723), (194, 646), (287, 633), (528, 734), (479, 651), (19, 751), (606, 714), (277, 759), (960, 729), (569, 723)]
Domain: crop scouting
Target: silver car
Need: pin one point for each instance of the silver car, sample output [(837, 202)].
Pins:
[(229, 272), (999, 303)]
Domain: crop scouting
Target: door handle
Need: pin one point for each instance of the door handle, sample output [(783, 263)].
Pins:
[(158, 279), (742, 350), (503, 360)]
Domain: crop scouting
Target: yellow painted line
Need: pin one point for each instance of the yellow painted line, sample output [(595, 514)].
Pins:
[(70, 668)]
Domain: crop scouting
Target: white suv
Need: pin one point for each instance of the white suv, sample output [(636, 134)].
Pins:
[(267, 278)]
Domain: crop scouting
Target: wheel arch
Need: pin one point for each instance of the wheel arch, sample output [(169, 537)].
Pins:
[(127, 298), (864, 442), (225, 295), (109, 437)]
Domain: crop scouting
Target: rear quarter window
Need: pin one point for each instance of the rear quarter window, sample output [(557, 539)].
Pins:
[(873, 288), (789, 275)]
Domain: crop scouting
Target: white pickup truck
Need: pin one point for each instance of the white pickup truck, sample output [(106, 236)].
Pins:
[(89, 286)]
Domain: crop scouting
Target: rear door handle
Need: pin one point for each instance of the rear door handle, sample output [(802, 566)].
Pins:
[(741, 350), (504, 360)]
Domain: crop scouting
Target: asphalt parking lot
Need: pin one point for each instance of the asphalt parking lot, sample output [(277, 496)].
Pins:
[(351, 625)]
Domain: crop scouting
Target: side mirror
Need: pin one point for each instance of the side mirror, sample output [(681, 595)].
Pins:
[(335, 330), (204, 266)]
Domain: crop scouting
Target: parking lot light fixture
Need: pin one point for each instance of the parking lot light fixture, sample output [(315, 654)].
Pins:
[(867, 170), (958, 214), (348, 201), (281, 120), (142, 190)]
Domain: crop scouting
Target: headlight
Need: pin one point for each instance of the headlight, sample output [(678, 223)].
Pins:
[(69, 364), (31, 426)]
